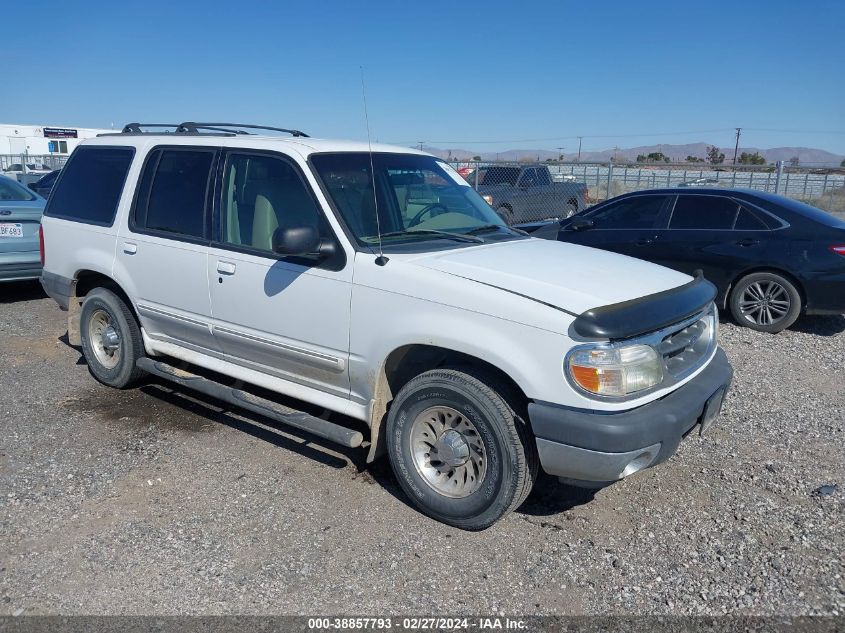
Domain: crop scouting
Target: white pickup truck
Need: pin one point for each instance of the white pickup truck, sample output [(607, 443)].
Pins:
[(373, 284)]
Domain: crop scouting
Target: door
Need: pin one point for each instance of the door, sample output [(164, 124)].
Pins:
[(288, 316), (714, 234), (628, 226), (164, 253)]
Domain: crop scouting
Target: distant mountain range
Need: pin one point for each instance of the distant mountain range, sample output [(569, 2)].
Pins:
[(677, 153)]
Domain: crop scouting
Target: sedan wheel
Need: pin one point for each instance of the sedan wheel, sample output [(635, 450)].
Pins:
[(766, 302)]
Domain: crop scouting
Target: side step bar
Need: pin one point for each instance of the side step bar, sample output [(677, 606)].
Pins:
[(245, 400)]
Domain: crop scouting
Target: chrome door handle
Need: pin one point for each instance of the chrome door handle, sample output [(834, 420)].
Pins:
[(226, 268), (129, 248)]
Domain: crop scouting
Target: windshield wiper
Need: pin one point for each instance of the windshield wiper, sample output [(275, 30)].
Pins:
[(461, 237), (489, 227)]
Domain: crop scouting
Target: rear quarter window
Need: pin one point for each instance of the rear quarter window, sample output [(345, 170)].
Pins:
[(90, 185)]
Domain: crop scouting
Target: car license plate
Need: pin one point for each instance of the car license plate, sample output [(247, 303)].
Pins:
[(7, 229), (712, 408)]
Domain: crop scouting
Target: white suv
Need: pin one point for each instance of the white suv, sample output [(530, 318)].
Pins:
[(375, 284)]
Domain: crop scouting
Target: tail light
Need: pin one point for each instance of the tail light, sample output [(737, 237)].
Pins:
[(839, 249), (41, 243)]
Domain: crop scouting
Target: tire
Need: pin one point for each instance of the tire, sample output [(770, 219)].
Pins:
[(571, 208), (766, 302), (112, 361), (502, 464), (506, 213)]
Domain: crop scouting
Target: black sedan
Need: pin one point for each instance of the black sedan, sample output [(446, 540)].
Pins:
[(770, 257), (44, 185)]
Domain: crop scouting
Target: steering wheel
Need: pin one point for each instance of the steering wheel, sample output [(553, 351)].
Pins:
[(427, 209)]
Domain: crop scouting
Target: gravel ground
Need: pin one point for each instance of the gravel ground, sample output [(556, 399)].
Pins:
[(150, 501)]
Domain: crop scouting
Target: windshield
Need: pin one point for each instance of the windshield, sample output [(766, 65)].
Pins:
[(12, 191), (419, 198)]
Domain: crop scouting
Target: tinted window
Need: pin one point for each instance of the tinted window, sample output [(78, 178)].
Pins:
[(703, 212), (261, 194), (12, 191), (90, 186), (173, 191), (811, 213), (498, 176), (543, 177), (639, 212), (747, 221)]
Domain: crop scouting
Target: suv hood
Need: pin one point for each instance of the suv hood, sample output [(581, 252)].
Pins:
[(566, 276)]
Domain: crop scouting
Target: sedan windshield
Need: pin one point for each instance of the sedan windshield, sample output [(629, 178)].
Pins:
[(417, 197)]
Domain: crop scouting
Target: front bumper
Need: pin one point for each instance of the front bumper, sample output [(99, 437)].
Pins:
[(596, 448)]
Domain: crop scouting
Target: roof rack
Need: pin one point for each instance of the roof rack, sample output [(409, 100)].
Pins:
[(191, 128)]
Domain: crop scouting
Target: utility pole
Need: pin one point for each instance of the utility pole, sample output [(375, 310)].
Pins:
[(615, 149), (580, 138), (736, 147), (559, 153), (421, 144)]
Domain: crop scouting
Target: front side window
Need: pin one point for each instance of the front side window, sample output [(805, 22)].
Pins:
[(703, 212), (639, 212), (13, 192), (416, 197), (91, 184), (173, 192), (261, 194)]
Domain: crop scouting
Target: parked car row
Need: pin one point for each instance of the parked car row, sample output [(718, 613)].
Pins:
[(376, 284)]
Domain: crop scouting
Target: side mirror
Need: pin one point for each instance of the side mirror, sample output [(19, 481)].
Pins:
[(301, 241), (581, 224), (296, 240)]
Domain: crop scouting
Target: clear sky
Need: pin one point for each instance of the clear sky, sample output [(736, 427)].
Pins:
[(463, 74)]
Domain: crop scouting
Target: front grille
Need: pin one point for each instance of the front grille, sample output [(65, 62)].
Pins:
[(684, 350)]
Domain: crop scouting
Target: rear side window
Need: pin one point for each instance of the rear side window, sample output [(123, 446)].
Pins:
[(90, 186), (703, 212), (748, 221), (638, 212), (173, 192)]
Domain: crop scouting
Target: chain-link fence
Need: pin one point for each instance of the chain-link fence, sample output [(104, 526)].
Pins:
[(529, 192), (13, 164)]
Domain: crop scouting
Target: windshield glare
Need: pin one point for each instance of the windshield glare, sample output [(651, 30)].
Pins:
[(415, 194)]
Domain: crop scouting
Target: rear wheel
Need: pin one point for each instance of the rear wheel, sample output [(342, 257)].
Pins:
[(111, 339), (459, 449), (766, 302), (571, 208)]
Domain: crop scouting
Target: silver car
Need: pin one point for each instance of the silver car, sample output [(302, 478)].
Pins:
[(20, 215)]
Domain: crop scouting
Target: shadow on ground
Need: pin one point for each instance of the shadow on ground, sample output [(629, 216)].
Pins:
[(15, 291), (828, 325)]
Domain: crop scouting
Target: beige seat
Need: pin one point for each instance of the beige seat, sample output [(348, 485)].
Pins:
[(265, 220)]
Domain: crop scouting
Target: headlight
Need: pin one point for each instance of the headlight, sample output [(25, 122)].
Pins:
[(488, 199), (615, 371)]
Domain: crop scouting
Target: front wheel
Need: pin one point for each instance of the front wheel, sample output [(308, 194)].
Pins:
[(766, 302), (459, 449), (111, 339)]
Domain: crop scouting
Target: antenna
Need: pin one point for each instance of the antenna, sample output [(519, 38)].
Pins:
[(381, 260)]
